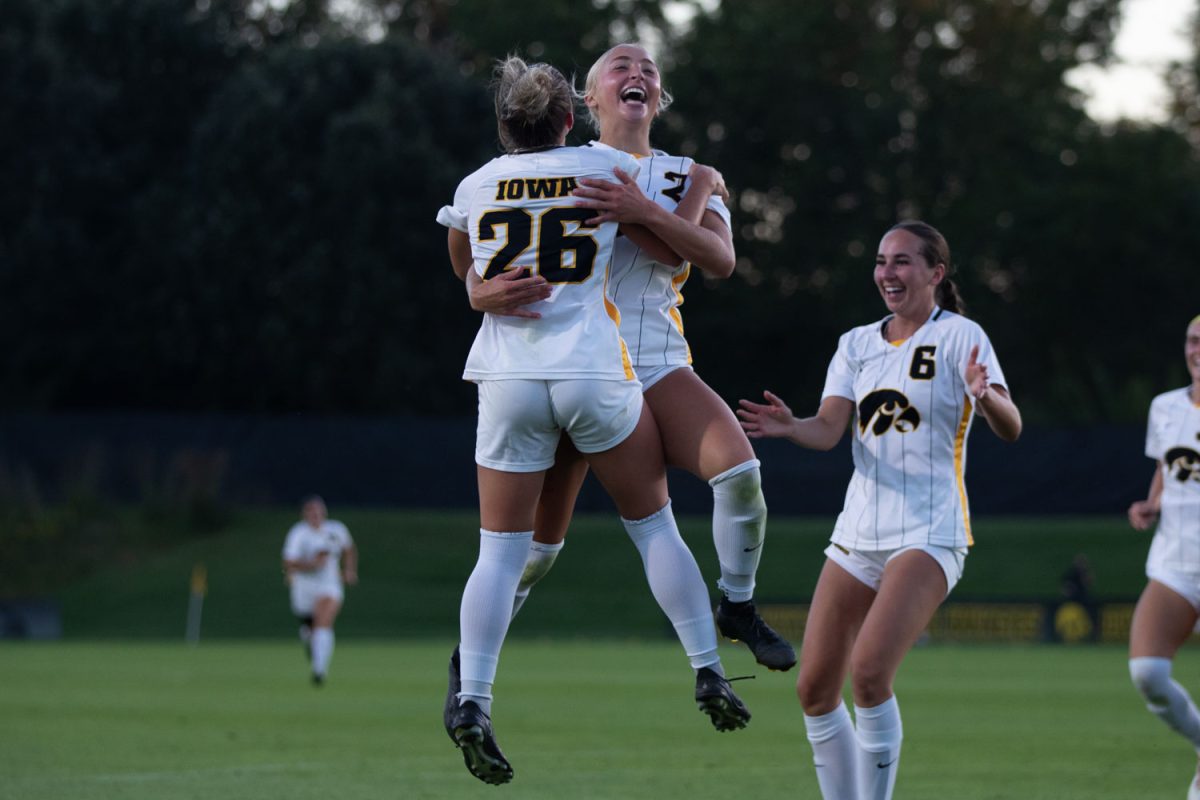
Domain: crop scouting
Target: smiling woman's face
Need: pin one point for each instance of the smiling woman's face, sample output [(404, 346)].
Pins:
[(626, 89)]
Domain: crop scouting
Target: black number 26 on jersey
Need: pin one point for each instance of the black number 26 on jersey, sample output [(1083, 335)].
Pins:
[(550, 229)]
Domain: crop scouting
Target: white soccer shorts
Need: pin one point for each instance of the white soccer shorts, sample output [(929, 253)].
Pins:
[(520, 420), (867, 565), (652, 375), (305, 594)]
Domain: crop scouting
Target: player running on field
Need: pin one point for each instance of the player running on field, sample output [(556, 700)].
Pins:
[(1169, 607), (911, 384)]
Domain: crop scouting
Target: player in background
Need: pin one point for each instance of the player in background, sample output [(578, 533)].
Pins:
[(1169, 607), (318, 557), (911, 384), (683, 204), (565, 369)]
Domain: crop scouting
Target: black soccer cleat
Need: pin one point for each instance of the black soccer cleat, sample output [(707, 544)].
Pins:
[(451, 704), (715, 697), (471, 730), (741, 623), (318, 680)]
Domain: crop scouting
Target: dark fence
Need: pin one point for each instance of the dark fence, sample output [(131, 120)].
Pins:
[(428, 462)]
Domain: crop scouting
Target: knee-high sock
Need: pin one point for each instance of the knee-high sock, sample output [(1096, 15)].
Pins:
[(835, 753), (1165, 698), (677, 585), (538, 562), (739, 526), (879, 734), (322, 650), (486, 610)]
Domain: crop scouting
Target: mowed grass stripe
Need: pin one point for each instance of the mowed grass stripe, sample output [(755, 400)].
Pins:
[(605, 719)]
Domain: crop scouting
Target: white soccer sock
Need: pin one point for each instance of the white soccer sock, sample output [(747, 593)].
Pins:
[(739, 526), (879, 734), (322, 650), (486, 611), (677, 585), (538, 562), (835, 753), (1165, 698)]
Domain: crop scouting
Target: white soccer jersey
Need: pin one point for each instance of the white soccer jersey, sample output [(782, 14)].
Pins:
[(648, 293), (1173, 439), (912, 417), (520, 213), (305, 542)]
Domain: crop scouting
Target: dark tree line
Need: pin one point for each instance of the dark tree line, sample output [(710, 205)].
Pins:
[(228, 204)]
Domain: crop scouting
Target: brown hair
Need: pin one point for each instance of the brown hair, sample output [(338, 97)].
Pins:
[(533, 102), (935, 250)]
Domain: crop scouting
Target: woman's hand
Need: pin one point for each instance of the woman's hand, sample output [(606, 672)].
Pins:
[(706, 178), (1142, 514), (976, 375), (507, 293), (615, 202), (773, 420)]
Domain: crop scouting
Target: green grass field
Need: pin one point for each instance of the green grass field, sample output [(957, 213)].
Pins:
[(414, 565), (602, 719)]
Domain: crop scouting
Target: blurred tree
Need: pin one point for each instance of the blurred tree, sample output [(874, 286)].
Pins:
[(1183, 80), (956, 112), (103, 95), (566, 33), (197, 217), (228, 204), (313, 275)]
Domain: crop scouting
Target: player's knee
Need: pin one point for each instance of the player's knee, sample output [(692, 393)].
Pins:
[(537, 563), (1152, 678), (741, 488), (870, 681), (817, 694)]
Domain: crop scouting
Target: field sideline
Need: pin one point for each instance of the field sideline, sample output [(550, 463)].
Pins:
[(595, 719), (415, 563)]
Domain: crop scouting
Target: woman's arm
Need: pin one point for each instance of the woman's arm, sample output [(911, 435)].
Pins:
[(992, 400), (1001, 413), (350, 565), (507, 293), (1143, 512), (461, 259), (708, 244), (775, 420), (291, 565)]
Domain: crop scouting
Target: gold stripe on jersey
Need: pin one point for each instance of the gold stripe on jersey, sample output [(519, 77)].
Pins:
[(960, 441), (614, 314), (676, 317)]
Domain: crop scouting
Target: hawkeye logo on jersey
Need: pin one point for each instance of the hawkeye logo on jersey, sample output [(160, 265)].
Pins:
[(1184, 464), (534, 188), (884, 409)]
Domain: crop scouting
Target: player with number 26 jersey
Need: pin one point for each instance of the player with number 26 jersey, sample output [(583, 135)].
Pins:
[(912, 417), (519, 213)]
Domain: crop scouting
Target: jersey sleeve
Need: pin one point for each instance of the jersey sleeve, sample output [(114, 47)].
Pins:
[(628, 164), (839, 378), (456, 215), (1155, 442), (292, 546), (717, 205)]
